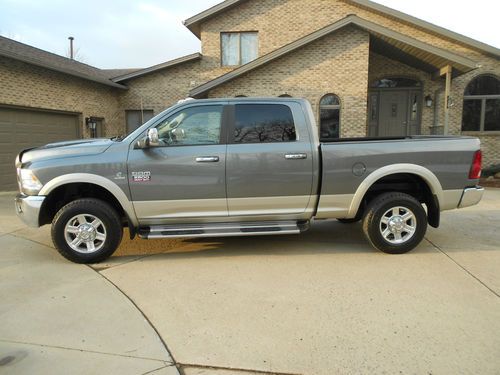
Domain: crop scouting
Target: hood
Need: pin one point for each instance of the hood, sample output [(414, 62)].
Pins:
[(65, 149)]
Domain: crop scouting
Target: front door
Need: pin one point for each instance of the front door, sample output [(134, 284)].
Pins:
[(269, 161), (394, 107), (182, 179), (393, 116)]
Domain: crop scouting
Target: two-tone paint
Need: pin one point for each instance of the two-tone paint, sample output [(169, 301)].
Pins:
[(230, 182)]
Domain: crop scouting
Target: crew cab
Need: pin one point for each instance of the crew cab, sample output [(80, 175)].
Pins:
[(241, 167)]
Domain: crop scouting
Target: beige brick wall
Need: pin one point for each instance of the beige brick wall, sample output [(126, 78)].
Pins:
[(161, 89), (337, 64), (280, 22), (30, 86)]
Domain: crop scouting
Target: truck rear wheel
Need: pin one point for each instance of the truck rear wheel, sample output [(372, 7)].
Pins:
[(87, 231), (395, 223)]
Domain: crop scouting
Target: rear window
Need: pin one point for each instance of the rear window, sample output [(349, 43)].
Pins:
[(264, 123)]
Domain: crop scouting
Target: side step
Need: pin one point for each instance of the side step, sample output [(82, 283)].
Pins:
[(224, 229)]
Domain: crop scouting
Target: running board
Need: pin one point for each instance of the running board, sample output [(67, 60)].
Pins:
[(224, 229)]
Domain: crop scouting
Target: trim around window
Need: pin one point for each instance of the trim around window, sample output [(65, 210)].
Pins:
[(481, 106), (330, 125), (240, 57)]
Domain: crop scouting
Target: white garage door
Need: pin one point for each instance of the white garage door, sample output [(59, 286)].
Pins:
[(20, 129)]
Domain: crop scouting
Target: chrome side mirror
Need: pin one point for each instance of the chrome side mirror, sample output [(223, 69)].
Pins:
[(153, 139)]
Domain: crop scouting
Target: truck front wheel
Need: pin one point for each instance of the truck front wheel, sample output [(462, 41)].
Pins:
[(395, 223), (87, 231)]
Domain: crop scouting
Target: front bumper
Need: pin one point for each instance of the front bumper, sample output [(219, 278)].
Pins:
[(28, 209), (471, 197)]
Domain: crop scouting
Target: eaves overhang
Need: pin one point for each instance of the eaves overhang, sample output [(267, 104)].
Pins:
[(155, 68)]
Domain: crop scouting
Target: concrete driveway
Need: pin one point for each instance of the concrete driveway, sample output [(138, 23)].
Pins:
[(320, 303)]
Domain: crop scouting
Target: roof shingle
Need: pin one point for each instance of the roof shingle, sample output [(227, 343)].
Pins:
[(32, 55)]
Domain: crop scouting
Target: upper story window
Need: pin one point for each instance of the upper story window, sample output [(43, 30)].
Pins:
[(239, 48), (263, 123), (481, 110)]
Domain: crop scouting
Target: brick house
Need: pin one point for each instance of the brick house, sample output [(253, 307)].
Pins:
[(368, 70)]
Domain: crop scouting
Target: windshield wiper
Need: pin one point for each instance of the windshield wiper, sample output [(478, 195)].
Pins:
[(118, 138)]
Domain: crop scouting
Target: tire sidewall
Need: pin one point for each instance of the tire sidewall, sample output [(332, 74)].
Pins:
[(375, 214), (97, 208)]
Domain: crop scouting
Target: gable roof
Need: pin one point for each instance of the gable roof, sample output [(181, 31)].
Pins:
[(430, 58), (427, 26), (35, 56), (194, 22), (154, 68)]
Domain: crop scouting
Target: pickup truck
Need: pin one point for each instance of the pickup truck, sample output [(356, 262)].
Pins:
[(241, 167)]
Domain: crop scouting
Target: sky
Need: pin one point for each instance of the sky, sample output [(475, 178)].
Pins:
[(140, 33)]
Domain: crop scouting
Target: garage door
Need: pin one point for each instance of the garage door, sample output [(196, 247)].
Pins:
[(20, 129)]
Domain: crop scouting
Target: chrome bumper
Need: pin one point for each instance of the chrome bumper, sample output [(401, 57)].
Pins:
[(28, 209), (471, 197)]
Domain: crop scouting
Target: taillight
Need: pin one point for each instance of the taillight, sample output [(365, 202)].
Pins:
[(475, 169)]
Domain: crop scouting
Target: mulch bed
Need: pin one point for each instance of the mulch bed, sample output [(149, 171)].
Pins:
[(492, 183)]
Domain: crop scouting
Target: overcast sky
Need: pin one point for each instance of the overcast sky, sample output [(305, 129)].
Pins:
[(141, 33)]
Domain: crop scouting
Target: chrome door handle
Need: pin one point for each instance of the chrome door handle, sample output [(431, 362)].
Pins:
[(295, 156), (207, 159)]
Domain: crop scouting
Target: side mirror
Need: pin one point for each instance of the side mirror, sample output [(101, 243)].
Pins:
[(151, 140)]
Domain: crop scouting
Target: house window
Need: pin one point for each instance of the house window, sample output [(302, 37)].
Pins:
[(392, 83), (481, 111), (135, 118), (239, 48), (329, 108)]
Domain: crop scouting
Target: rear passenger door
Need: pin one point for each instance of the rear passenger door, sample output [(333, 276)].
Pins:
[(269, 166)]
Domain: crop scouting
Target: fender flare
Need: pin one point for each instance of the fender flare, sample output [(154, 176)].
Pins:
[(89, 178), (429, 177)]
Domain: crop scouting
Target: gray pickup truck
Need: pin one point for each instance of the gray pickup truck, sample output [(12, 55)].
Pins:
[(241, 167)]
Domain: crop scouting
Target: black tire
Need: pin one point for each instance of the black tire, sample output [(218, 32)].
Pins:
[(378, 211), (110, 224)]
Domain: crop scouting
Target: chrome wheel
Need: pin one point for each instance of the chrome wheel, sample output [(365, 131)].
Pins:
[(85, 233), (398, 225)]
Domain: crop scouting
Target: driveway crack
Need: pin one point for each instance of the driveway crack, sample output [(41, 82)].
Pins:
[(236, 369), (462, 267), (173, 361), (166, 363)]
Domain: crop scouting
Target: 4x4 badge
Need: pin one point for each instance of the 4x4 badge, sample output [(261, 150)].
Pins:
[(119, 176)]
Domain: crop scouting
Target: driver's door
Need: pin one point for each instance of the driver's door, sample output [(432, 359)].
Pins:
[(182, 179)]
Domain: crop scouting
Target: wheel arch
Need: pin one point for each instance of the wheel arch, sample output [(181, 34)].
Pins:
[(435, 190), (108, 188)]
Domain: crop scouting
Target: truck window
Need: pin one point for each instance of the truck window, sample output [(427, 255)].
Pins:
[(192, 126), (263, 123)]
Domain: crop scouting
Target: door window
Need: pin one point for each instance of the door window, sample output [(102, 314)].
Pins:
[(264, 123), (192, 126)]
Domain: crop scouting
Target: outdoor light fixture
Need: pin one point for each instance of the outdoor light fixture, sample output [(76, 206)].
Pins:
[(91, 123), (428, 101)]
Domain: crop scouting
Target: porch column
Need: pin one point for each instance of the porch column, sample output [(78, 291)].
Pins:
[(447, 70)]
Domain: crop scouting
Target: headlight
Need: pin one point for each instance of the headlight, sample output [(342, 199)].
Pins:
[(29, 184)]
